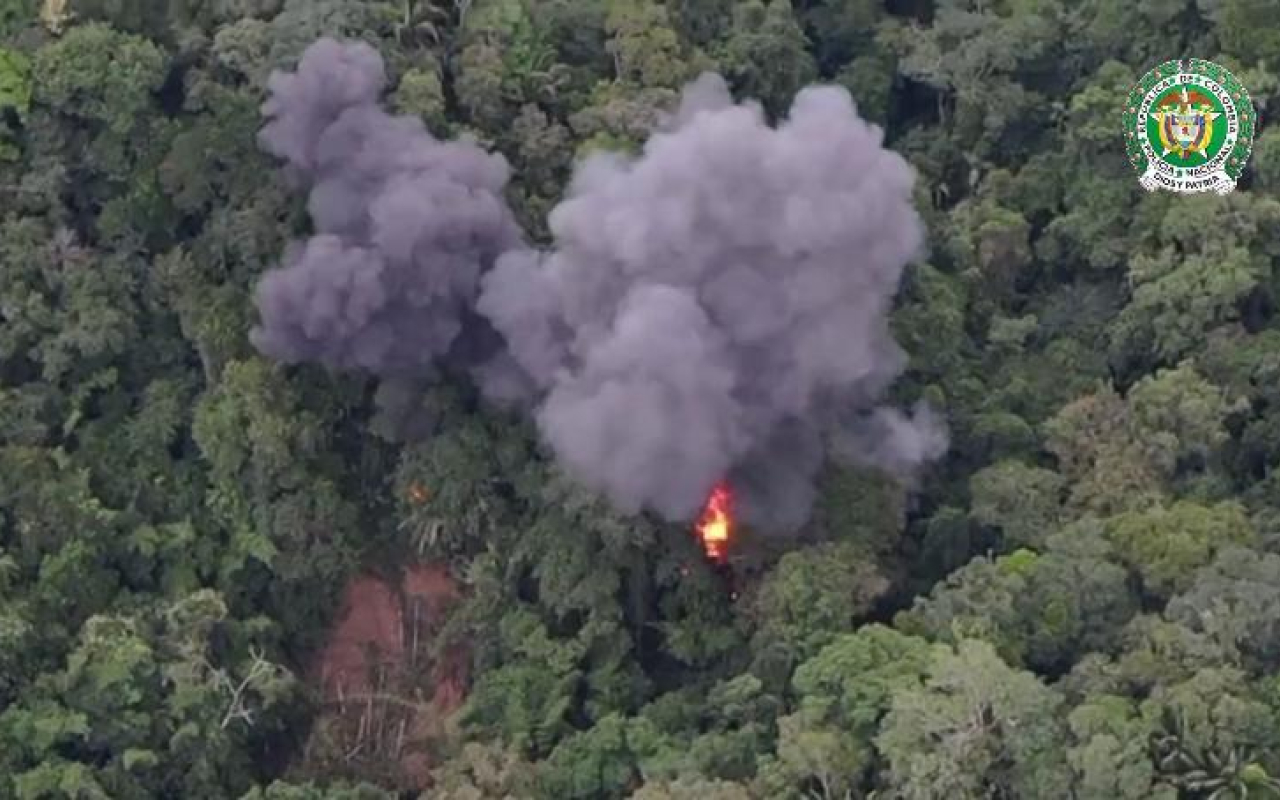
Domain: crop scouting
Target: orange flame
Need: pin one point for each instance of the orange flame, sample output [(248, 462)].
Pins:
[(715, 526)]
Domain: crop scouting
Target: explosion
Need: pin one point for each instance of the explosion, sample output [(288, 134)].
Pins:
[(418, 494), (715, 526), (714, 307)]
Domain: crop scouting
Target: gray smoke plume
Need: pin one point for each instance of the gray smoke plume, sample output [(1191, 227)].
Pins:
[(404, 224), (718, 306)]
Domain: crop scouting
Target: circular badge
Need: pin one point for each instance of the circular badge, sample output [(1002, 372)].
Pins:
[(1188, 127)]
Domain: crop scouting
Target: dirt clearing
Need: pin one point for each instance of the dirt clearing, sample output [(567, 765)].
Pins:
[(385, 699)]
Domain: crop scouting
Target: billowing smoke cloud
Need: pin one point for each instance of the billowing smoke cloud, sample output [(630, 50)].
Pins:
[(714, 307), (404, 224), (718, 306)]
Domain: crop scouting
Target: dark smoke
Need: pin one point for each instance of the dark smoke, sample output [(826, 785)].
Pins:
[(404, 224), (718, 306), (715, 307)]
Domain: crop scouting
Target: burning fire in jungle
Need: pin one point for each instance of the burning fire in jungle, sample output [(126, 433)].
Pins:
[(715, 527)]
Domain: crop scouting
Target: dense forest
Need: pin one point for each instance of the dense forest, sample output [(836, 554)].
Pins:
[(1072, 593)]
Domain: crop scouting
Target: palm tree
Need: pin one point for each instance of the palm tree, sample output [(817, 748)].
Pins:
[(418, 22), (1206, 773)]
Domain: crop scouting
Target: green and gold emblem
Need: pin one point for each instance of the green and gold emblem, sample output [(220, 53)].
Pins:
[(1188, 127)]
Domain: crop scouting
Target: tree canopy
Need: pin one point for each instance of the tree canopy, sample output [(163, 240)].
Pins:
[(1081, 599)]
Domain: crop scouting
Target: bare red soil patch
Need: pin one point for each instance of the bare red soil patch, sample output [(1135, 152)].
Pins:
[(370, 631), (385, 697)]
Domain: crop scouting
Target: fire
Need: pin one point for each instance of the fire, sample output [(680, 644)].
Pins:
[(715, 526)]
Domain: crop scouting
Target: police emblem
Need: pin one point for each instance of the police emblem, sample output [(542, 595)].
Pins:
[(1188, 127)]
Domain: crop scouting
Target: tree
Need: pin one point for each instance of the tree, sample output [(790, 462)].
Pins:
[(143, 706), (1101, 213), (842, 30), (281, 790), (825, 746), (988, 56), (420, 93), (1087, 580), (483, 772), (1241, 363), (1178, 416), (273, 491), (1096, 454), (1024, 502), (1165, 544), (647, 51), (1153, 652), (15, 15), (991, 245), (1233, 601), (1041, 610), (1189, 282), (692, 789), (1265, 159), (15, 97), (1220, 775), (1241, 28), (975, 727), (1123, 454), (93, 110), (765, 54), (1204, 734), (813, 595), (594, 763), (522, 705), (1109, 756), (702, 21)]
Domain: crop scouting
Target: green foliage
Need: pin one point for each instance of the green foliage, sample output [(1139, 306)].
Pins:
[(1123, 454), (1232, 600), (16, 15), (1265, 160), (15, 96), (1194, 279), (1109, 758), (421, 94), (692, 789), (1024, 502), (975, 725), (1244, 32), (280, 790), (594, 763), (1034, 609), (1165, 544), (484, 771), (102, 79), (813, 595), (842, 695), (765, 53), (1086, 587), (524, 705), (1210, 742), (646, 49)]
